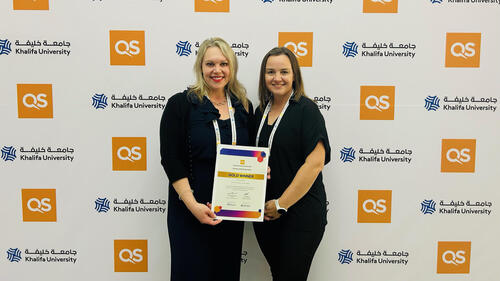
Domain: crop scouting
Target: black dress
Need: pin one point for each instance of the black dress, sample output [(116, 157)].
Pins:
[(289, 243), (188, 149)]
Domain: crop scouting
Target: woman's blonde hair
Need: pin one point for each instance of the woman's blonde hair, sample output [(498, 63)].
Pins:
[(200, 88)]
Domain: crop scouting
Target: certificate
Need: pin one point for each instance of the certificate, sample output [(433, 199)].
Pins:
[(240, 182)]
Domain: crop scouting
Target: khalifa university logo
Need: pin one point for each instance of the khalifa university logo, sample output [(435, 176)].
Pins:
[(432, 103), (267, 1), (14, 255), (347, 154), (350, 49), (8, 153), (428, 207), (183, 48), (99, 101), (5, 47), (345, 256), (102, 205), (436, 1)]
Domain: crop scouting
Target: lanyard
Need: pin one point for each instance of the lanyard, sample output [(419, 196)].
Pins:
[(233, 123), (276, 124)]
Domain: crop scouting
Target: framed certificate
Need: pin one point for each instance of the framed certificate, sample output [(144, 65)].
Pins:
[(240, 182)]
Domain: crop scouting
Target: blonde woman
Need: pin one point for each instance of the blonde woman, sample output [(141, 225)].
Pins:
[(194, 120)]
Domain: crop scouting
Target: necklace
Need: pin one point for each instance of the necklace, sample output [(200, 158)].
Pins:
[(217, 103)]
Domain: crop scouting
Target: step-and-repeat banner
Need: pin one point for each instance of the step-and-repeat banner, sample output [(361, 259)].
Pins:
[(409, 90)]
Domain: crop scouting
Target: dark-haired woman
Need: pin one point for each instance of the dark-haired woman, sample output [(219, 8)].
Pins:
[(291, 125)]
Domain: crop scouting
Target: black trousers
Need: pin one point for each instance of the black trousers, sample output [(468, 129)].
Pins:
[(288, 251)]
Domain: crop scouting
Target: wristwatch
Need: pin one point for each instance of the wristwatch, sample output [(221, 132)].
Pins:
[(280, 209)]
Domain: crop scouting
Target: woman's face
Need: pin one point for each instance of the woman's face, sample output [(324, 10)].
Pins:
[(215, 69), (279, 75)]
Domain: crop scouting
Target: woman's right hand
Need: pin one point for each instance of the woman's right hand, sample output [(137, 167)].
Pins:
[(204, 214)]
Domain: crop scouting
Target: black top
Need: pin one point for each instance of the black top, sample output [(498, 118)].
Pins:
[(188, 143), (298, 133)]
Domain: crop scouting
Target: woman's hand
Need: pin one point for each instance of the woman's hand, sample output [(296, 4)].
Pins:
[(270, 212), (204, 213)]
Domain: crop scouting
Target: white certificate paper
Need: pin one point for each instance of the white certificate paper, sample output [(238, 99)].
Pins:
[(240, 182)]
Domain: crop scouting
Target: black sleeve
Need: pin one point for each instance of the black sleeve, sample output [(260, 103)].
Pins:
[(314, 130), (173, 138)]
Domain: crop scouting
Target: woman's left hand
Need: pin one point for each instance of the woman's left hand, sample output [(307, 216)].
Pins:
[(270, 212)]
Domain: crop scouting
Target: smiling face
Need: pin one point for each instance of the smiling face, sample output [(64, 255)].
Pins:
[(215, 69), (279, 76)]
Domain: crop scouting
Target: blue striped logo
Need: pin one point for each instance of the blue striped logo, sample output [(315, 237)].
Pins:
[(14, 255), (8, 153), (347, 154), (432, 103), (102, 205), (350, 49), (5, 47), (345, 256), (183, 48), (99, 101), (428, 207)]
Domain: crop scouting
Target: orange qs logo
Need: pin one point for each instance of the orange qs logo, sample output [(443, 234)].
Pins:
[(127, 47), (374, 206), (39, 204), (380, 6), (377, 102), (34, 100), (300, 43), (463, 49), (453, 257), (221, 6), (31, 4), (131, 255), (129, 154), (458, 155)]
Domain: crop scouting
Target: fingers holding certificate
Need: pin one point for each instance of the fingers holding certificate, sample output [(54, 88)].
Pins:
[(240, 182)]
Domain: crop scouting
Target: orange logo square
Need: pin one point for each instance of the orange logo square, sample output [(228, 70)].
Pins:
[(458, 155), (129, 154), (34, 101), (453, 257), (380, 6), (31, 4), (127, 47), (377, 102), (131, 255), (221, 6), (374, 206), (39, 204), (300, 43), (463, 49)]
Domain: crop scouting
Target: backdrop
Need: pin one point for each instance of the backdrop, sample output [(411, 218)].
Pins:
[(408, 89)]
